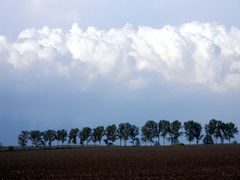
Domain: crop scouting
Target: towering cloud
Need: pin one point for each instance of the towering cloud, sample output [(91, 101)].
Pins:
[(205, 54)]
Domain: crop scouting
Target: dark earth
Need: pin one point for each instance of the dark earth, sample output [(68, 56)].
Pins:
[(170, 162)]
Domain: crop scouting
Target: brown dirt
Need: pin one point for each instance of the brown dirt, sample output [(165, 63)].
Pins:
[(175, 162)]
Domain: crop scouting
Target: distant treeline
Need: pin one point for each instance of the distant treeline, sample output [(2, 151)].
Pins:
[(151, 134)]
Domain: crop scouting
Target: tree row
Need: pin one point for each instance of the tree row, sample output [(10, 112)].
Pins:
[(151, 134)]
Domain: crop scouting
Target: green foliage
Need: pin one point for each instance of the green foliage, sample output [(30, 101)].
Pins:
[(73, 136), (197, 131), (97, 134), (216, 129), (220, 130), (208, 139), (210, 128), (149, 131), (174, 131), (85, 135), (126, 132), (61, 135), (188, 127), (230, 131), (35, 137), (23, 138), (111, 133), (120, 132), (134, 131), (49, 136), (164, 129), (193, 131)]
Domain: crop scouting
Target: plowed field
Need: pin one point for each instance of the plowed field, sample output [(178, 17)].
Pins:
[(173, 162)]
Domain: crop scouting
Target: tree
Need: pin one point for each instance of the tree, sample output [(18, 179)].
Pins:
[(35, 137), (188, 127), (230, 131), (174, 131), (210, 129), (44, 138), (61, 135), (50, 136), (97, 134), (126, 132), (23, 138), (220, 130), (137, 142), (120, 132), (73, 136), (208, 139), (57, 137), (149, 131), (197, 131), (164, 128), (193, 131), (216, 129), (85, 135), (111, 134), (134, 131)]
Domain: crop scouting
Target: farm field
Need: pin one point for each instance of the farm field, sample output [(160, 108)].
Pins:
[(170, 162)]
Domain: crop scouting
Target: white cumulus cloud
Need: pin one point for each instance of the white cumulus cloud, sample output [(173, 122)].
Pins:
[(196, 53)]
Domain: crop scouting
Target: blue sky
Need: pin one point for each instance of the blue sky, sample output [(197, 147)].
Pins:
[(67, 64)]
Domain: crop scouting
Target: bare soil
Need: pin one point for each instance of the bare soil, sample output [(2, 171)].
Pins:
[(172, 162)]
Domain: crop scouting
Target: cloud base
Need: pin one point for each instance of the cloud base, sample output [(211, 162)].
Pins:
[(192, 54)]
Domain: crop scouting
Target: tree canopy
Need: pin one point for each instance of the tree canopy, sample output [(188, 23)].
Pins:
[(149, 133)]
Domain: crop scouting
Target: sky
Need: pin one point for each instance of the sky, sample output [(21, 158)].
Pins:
[(75, 63)]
